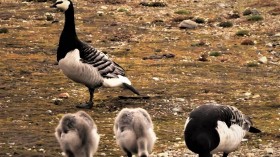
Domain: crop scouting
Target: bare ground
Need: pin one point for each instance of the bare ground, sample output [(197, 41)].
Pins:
[(30, 78)]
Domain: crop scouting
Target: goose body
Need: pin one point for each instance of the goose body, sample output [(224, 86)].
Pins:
[(134, 133), (213, 128), (83, 63), (77, 135)]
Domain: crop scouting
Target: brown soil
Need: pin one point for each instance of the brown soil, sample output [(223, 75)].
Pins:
[(30, 78)]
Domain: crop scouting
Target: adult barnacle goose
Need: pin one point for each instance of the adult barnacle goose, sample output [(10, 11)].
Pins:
[(213, 128), (134, 133), (83, 63), (77, 135)]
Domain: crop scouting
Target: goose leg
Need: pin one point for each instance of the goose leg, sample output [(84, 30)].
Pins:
[(205, 155), (89, 104), (129, 154), (225, 154)]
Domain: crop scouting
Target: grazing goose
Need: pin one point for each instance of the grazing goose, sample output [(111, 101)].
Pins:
[(83, 63), (213, 128), (134, 133), (77, 135)]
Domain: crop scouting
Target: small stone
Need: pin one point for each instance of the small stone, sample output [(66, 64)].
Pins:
[(100, 13), (269, 150), (256, 96), (104, 7), (233, 15), (247, 42), (49, 111), (277, 35), (263, 60), (64, 95), (250, 155), (103, 154), (165, 154), (244, 140), (177, 109), (188, 24), (203, 58), (57, 101), (156, 78)]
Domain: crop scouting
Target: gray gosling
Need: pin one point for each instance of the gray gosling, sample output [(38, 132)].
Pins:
[(134, 132), (77, 135)]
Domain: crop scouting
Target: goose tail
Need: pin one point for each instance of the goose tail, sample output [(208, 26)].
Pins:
[(131, 88)]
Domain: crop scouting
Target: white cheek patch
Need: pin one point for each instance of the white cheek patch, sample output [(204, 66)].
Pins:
[(64, 5)]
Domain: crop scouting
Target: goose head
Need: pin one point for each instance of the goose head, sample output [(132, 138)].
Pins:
[(62, 4)]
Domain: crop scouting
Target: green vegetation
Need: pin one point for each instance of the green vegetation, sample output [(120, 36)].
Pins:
[(182, 12), (242, 33), (226, 24), (199, 20), (215, 54), (252, 64), (4, 30), (153, 4), (122, 10), (255, 18)]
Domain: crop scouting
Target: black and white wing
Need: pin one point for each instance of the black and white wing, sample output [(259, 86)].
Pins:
[(106, 67), (231, 115)]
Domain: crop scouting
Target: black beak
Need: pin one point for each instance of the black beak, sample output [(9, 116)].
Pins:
[(53, 6)]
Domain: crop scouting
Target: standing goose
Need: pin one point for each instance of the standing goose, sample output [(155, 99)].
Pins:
[(83, 63), (213, 128), (134, 133), (77, 135)]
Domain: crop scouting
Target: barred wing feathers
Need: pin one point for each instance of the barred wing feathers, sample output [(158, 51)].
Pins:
[(106, 67)]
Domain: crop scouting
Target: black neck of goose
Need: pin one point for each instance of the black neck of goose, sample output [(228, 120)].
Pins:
[(68, 39)]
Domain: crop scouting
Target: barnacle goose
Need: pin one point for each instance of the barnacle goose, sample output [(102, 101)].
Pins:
[(83, 63), (213, 128), (134, 133), (77, 135)]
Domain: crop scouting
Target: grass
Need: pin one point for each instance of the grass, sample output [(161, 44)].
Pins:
[(215, 54), (199, 20), (225, 24), (38, 80), (182, 12), (242, 33), (252, 64), (255, 18), (122, 10), (4, 30)]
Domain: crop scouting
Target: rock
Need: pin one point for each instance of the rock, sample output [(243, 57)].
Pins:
[(203, 58), (277, 35), (269, 150), (49, 111), (249, 11), (165, 154), (263, 60), (233, 15), (250, 155), (168, 55), (188, 24), (100, 13), (64, 95), (57, 101), (247, 42), (156, 78), (49, 17), (177, 109)]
